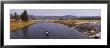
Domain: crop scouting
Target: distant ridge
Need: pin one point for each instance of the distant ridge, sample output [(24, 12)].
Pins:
[(65, 17)]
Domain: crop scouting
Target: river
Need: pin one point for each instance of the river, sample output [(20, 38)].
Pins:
[(56, 31)]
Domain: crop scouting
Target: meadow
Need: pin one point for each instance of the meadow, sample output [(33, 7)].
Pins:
[(16, 25), (75, 22)]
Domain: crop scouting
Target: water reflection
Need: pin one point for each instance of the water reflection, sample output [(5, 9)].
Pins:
[(47, 35), (19, 34), (38, 31), (25, 32)]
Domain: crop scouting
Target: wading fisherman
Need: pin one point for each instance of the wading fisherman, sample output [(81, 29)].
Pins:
[(46, 32)]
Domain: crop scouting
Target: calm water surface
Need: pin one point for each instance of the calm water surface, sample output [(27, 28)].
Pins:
[(56, 31)]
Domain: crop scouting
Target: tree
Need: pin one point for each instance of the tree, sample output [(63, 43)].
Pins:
[(24, 16), (12, 16), (60, 19), (16, 16)]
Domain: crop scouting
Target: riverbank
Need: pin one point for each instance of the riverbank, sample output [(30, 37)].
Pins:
[(87, 27), (19, 25), (72, 23)]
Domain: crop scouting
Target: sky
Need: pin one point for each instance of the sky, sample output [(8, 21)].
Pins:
[(59, 12)]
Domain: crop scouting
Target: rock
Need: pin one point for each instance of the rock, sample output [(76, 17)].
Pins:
[(98, 35)]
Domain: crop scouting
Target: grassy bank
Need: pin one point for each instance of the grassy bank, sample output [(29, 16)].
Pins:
[(19, 25), (70, 22), (86, 29)]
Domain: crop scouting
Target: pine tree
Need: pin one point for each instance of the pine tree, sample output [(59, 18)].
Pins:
[(24, 16), (16, 17)]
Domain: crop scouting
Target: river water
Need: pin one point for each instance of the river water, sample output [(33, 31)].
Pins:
[(56, 31)]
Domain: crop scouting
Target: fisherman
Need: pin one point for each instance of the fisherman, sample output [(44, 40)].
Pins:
[(46, 31)]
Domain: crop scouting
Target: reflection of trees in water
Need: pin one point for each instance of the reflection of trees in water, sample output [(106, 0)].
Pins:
[(25, 32)]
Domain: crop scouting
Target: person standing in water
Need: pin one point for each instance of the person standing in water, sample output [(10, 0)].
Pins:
[(46, 32)]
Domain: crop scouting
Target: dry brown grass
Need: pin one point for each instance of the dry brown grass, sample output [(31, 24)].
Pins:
[(18, 25), (72, 23)]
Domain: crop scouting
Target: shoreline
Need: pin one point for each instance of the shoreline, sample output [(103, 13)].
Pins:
[(19, 25)]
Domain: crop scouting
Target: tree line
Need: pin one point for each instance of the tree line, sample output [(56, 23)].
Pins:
[(23, 16)]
